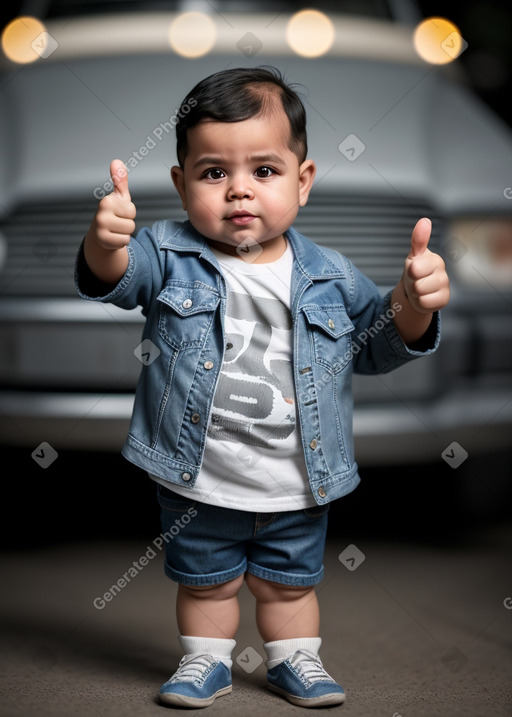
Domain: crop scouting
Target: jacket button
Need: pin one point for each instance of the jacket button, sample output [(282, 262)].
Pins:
[(186, 476), (313, 444), (208, 365), (195, 418), (331, 323), (187, 303), (321, 492)]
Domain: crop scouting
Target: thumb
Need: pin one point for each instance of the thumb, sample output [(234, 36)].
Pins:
[(119, 175), (420, 237)]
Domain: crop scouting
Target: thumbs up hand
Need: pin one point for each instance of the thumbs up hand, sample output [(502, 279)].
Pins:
[(110, 231), (114, 223), (425, 281)]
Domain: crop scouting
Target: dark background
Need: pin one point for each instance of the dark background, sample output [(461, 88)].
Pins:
[(96, 496), (487, 28), (84, 496)]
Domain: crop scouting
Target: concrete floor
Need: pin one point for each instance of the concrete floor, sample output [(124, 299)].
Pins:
[(411, 630)]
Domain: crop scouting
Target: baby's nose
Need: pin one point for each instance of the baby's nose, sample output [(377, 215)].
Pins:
[(240, 188)]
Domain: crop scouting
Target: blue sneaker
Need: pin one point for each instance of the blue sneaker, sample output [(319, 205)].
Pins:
[(302, 680), (197, 682)]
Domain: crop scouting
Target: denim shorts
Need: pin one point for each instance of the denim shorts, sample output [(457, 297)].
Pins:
[(209, 545)]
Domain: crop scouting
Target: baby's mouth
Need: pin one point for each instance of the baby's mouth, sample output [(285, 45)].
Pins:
[(241, 218)]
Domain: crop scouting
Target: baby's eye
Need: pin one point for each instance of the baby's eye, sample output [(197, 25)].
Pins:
[(264, 172), (214, 174)]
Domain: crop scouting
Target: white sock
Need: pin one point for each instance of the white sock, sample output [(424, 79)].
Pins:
[(280, 650), (218, 647)]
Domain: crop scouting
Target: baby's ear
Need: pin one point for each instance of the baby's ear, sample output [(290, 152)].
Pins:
[(178, 179), (307, 172)]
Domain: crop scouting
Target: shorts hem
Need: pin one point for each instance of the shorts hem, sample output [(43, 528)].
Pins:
[(205, 580), (292, 579)]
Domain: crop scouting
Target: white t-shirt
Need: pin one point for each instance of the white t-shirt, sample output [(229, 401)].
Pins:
[(253, 456)]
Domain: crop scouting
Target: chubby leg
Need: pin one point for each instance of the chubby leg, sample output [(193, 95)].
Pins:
[(284, 612), (288, 620), (208, 619), (211, 611)]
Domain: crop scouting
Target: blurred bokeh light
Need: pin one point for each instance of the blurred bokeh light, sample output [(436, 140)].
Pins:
[(310, 33), (24, 39), (192, 34), (438, 40)]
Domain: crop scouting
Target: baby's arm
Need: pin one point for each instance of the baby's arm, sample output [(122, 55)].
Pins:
[(110, 231), (423, 289)]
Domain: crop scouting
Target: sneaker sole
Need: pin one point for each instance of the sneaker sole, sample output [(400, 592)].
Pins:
[(334, 698), (173, 698)]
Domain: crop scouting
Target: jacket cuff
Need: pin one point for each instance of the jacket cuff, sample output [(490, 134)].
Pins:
[(426, 345), (90, 287)]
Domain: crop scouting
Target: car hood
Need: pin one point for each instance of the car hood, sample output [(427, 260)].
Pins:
[(373, 126)]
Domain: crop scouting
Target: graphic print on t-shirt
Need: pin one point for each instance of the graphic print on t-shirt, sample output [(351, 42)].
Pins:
[(254, 400)]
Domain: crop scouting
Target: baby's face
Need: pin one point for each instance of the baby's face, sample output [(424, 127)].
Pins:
[(242, 184)]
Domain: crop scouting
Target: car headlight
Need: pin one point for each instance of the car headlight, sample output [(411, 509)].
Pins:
[(479, 250)]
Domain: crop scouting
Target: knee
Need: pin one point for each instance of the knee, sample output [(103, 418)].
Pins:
[(267, 591), (223, 591)]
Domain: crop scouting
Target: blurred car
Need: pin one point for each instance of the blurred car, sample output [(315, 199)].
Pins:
[(395, 138)]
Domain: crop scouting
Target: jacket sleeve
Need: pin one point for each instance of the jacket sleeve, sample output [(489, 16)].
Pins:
[(377, 347), (142, 280)]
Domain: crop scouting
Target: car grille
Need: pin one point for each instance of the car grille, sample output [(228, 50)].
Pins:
[(374, 232)]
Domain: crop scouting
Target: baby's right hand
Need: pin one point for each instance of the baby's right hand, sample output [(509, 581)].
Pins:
[(114, 223)]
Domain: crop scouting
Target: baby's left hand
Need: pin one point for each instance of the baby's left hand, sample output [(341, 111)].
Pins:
[(425, 280)]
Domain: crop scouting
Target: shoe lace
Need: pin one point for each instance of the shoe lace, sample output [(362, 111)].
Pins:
[(309, 667), (192, 667)]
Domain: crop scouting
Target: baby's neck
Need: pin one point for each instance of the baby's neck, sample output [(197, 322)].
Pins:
[(254, 252)]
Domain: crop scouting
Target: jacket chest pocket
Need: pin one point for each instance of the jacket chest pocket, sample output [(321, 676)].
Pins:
[(330, 331), (186, 314)]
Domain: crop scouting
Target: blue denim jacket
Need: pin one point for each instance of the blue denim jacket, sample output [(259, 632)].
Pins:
[(341, 325)]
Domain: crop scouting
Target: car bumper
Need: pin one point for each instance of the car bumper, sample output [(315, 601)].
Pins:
[(412, 432)]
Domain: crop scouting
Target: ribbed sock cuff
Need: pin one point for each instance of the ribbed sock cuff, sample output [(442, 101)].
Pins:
[(217, 647), (280, 650)]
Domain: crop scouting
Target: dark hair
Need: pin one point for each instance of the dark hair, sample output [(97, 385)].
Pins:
[(238, 94)]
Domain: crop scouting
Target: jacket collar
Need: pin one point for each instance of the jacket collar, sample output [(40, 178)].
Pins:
[(179, 236), (313, 261)]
